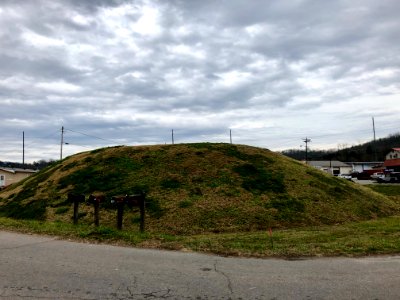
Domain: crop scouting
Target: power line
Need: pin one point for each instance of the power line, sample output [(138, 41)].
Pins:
[(88, 135)]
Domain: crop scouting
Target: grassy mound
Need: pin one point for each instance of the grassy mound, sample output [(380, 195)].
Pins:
[(195, 188)]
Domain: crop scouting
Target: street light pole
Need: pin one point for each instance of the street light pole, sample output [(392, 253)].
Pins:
[(62, 142), (23, 149)]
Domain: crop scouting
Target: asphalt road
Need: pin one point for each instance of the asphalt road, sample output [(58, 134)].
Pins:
[(35, 267)]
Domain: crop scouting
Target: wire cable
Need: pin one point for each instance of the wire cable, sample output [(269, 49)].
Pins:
[(88, 135)]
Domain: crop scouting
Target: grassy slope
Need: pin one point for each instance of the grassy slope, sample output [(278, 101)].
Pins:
[(379, 236), (197, 188)]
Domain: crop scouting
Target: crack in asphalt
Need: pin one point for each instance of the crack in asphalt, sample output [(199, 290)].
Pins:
[(115, 294), (152, 294), (130, 292), (161, 294), (133, 285), (226, 276)]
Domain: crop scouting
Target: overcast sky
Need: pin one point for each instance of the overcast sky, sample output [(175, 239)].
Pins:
[(127, 72)]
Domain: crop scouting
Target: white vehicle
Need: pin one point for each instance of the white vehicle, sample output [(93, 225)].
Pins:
[(378, 175), (345, 176), (391, 177)]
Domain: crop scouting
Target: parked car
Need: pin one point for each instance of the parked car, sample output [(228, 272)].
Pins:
[(392, 177), (377, 175), (354, 174), (345, 176), (363, 176)]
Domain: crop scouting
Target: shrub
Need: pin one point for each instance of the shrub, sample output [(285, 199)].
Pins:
[(257, 179), (170, 184), (185, 203), (34, 210)]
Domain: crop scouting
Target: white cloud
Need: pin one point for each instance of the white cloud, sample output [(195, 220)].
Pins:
[(186, 50), (148, 22), (233, 78), (81, 20), (41, 41), (130, 71), (59, 87), (16, 82)]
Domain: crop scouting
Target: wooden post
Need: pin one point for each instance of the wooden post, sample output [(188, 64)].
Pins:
[(137, 200), (120, 214), (96, 213), (75, 199), (76, 210), (95, 200), (142, 207)]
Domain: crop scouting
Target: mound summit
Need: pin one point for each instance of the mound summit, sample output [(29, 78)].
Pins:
[(196, 188)]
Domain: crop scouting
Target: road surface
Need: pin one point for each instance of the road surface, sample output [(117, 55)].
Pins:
[(36, 267)]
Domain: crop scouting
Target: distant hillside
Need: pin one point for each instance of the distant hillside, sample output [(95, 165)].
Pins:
[(370, 151), (195, 188)]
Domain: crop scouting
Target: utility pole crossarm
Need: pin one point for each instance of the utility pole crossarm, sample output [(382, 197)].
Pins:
[(306, 140)]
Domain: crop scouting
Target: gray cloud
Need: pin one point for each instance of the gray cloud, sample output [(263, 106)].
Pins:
[(130, 71)]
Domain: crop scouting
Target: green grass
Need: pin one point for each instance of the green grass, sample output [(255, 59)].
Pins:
[(386, 189), (355, 239), (196, 189), (185, 203), (77, 232), (258, 179), (216, 198), (380, 236), (169, 183), (33, 210)]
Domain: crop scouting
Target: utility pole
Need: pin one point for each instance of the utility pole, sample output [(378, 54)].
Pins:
[(373, 128), (23, 149), (306, 140), (230, 135), (172, 136), (62, 142)]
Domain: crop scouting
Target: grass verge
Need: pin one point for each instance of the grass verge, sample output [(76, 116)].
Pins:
[(381, 236), (392, 190)]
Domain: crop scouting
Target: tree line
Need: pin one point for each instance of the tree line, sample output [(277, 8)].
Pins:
[(36, 165), (370, 151)]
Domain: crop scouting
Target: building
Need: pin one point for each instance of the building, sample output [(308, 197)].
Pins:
[(333, 167), (392, 161), (394, 154), (362, 166), (12, 175)]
